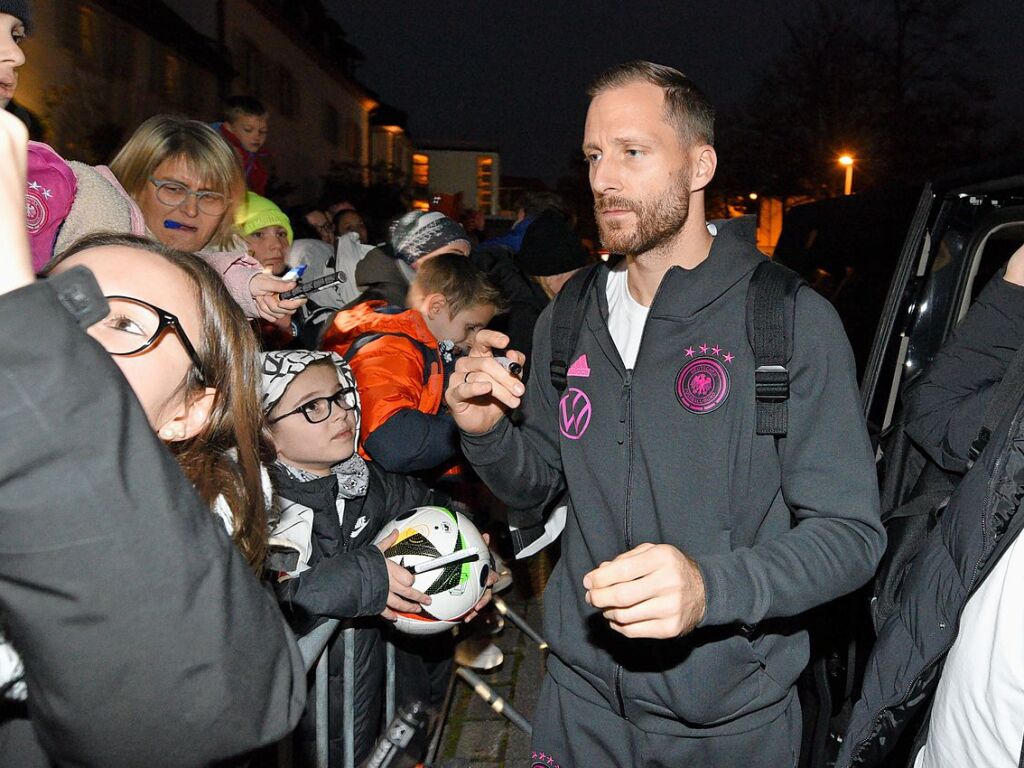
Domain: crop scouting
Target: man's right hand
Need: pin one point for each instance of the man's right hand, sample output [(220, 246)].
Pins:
[(480, 390)]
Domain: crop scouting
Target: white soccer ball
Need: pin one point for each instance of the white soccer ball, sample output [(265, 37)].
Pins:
[(424, 534)]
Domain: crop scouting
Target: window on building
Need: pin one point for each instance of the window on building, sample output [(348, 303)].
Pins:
[(119, 50), (332, 125), (251, 67), (484, 182), (288, 92), (170, 84), (353, 140), (195, 95), (78, 30), (421, 169)]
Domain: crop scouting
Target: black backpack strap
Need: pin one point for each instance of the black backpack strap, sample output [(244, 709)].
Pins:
[(771, 305), (1006, 397), (429, 356), (567, 318)]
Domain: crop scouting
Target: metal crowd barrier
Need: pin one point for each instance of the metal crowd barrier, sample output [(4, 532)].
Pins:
[(315, 648)]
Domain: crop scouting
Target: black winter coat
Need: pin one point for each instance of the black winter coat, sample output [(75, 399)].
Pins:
[(347, 579), (945, 409), (145, 638)]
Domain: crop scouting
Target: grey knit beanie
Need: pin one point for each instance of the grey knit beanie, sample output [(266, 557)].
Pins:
[(21, 9), (418, 233)]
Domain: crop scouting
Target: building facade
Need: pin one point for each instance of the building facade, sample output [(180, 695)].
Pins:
[(292, 57), (473, 171), (97, 68), (391, 147)]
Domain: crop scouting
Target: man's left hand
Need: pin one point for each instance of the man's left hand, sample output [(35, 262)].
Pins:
[(653, 591)]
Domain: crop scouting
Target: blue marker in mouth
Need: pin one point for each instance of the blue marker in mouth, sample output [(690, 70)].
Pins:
[(168, 224)]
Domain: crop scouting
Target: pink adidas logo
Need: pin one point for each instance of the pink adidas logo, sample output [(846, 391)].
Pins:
[(580, 368)]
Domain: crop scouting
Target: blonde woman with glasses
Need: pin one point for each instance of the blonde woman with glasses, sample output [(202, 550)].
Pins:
[(178, 182), (187, 182)]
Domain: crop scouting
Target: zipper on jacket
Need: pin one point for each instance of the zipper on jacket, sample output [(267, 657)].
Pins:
[(625, 434), (618, 691), (626, 424), (876, 721)]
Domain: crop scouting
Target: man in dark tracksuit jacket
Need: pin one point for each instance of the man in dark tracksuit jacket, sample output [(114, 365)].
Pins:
[(945, 410), (145, 638), (670, 612)]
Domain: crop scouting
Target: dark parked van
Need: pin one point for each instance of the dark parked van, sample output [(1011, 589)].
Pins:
[(901, 274)]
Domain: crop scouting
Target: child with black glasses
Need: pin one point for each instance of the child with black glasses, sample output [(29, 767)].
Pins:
[(330, 504)]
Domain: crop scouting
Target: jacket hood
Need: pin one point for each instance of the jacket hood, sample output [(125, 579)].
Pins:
[(729, 261), (377, 317)]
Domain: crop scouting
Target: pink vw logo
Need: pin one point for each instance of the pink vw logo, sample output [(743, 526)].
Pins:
[(574, 413)]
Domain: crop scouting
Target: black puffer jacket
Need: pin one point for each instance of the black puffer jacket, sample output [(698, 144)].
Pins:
[(945, 409), (347, 579)]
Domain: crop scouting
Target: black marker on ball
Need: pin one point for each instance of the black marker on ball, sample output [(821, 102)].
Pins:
[(511, 366)]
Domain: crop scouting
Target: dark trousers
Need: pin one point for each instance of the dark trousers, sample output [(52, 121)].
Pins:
[(570, 732)]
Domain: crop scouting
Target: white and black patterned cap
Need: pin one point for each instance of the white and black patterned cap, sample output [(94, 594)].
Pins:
[(279, 368)]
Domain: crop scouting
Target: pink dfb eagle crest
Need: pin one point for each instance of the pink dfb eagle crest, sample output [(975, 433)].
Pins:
[(702, 385)]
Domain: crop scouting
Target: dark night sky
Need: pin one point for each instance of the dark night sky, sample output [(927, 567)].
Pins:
[(513, 74)]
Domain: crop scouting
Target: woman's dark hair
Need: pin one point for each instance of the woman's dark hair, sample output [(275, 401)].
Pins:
[(224, 458)]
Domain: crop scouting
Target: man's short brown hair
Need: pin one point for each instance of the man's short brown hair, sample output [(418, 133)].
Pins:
[(686, 107), (460, 281)]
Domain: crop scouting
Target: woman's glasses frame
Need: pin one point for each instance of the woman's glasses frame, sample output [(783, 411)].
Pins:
[(210, 203)]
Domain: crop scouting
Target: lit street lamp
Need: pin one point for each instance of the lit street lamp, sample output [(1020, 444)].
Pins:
[(847, 162)]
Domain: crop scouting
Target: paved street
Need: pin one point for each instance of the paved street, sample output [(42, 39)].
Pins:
[(474, 734)]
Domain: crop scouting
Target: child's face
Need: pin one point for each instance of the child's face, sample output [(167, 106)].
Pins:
[(313, 447), (270, 247), (251, 131), (460, 328), (351, 221)]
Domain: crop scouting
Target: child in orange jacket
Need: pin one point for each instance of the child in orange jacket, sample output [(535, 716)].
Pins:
[(400, 358)]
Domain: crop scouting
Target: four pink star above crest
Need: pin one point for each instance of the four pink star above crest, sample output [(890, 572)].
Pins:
[(715, 350)]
